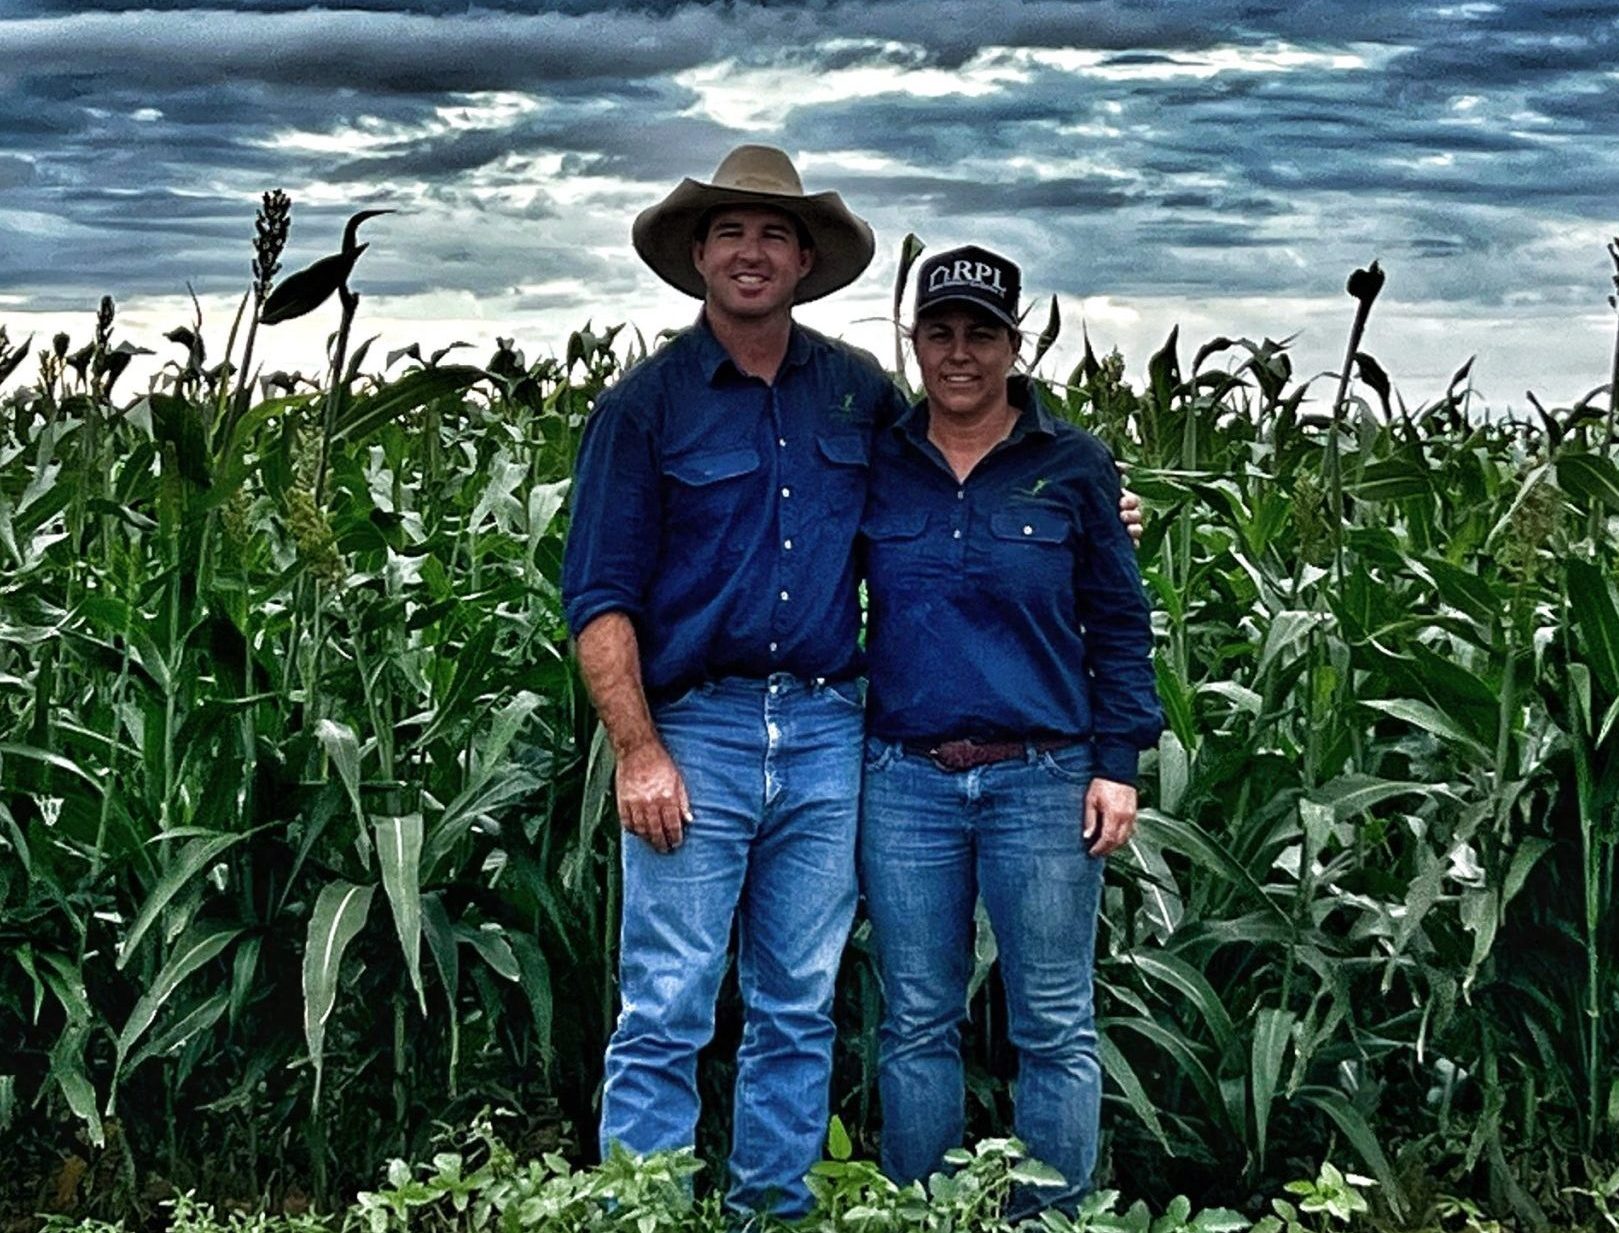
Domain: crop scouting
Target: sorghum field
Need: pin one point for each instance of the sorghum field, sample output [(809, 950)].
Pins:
[(307, 848)]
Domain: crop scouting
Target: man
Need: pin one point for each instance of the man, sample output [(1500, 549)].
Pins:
[(709, 582), (710, 585)]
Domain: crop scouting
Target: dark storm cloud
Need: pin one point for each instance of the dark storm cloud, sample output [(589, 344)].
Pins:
[(139, 136)]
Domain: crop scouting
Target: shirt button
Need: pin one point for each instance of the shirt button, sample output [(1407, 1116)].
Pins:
[(786, 492), (784, 597), (961, 494), (956, 534), (1028, 530), (782, 441), (787, 544), (772, 648)]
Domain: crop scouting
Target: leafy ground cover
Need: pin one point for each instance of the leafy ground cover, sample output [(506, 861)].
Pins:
[(306, 846)]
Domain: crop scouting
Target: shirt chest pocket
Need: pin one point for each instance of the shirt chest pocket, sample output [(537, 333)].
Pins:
[(898, 547), (710, 499), (1031, 552), (843, 461)]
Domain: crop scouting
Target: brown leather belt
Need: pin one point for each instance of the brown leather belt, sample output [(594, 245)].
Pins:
[(964, 755)]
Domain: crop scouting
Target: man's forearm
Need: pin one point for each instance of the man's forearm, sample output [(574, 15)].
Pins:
[(610, 662)]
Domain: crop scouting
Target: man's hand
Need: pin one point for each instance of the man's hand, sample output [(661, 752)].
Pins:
[(1130, 515), (652, 799), (1110, 816)]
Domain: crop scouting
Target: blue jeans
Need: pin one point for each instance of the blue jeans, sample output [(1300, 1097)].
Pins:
[(932, 842), (772, 769)]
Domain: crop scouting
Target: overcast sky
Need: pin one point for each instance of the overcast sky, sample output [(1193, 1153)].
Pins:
[(1223, 164)]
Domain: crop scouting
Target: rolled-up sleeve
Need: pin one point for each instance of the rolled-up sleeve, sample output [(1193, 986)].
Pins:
[(613, 532), (1125, 715)]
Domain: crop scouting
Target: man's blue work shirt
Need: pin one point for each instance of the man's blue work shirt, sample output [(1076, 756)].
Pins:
[(1008, 605), (719, 512)]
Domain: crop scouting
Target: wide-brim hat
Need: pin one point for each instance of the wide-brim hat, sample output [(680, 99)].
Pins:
[(755, 176)]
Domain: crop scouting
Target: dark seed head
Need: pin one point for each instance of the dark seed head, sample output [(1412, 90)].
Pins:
[(1365, 284)]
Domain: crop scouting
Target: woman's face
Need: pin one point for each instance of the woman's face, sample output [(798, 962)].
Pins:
[(965, 357)]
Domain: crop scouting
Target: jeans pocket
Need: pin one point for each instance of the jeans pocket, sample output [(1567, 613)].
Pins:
[(880, 755), (850, 693), (681, 701), (1071, 764)]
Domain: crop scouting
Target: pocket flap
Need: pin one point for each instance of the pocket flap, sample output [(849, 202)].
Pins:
[(846, 449), (699, 469)]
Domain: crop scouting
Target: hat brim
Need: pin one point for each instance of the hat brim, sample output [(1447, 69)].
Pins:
[(844, 244)]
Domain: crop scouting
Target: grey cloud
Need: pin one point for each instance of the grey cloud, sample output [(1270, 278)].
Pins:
[(15, 172), (1240, 184)]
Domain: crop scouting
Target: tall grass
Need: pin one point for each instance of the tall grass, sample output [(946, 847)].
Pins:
[(306, 842)]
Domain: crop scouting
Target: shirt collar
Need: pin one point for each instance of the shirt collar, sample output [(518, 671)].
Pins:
[(1034, 417), (713, 358)]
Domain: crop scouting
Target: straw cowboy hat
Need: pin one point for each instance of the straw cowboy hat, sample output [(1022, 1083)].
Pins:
[(754, 176)]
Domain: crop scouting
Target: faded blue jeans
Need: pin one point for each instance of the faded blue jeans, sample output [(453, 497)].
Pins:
[(931, 843), (772, 769)]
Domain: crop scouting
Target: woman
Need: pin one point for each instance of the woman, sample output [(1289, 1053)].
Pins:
[(1011, 688)]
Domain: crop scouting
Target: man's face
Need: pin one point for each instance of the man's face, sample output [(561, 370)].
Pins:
[(751, 262), (965, 357)]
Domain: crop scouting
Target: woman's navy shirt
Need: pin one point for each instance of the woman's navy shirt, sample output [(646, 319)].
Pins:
[(719, 513), (1008, 605)]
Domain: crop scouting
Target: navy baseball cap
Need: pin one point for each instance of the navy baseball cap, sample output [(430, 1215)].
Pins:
[(970, 275)]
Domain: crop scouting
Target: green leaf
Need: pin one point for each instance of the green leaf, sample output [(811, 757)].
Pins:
[(196, 1017), (1596, 617), (416, 389), (446, 956), (1524, 858), (1272, 1032), (399, 853), (838, 1146), (1481, 914), (464, 810), (1189, 839), (1589, 478), (508, 721), (1170, 969), (1361, 1137), (1163, 370), (10, 749), (1185, 1055), (187, 863), (1048, 336), (342, 746), (340, 912), (1392, 479), (536, 983), (1033, 1172), (1219, 1220), (490, 942), (1287, 631), (1123, 1077), (243, 969), (195, 948), (71, 1075), (1352, 795), (1421, 715)]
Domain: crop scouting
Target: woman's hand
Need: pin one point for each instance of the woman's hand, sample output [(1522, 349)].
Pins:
[(1110, 816)]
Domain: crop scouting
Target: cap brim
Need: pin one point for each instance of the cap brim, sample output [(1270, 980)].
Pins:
[(844, 244), (993, 310)]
